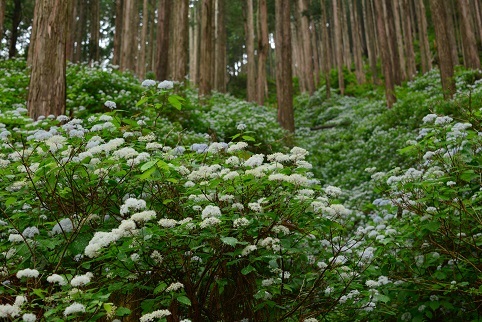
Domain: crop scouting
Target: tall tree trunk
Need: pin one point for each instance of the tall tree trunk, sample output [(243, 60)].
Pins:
[(399, 40), (220, 47), (316, 46), (263, 47), (251, 64), (94, 48), (129, 36), (47, 88), (425, 55), (384, 51), (370, 39), (16, 19), (80, 30), (284, 75), (2, 19), (141, 56), (194, 45), (338, 45), (152, 37), (206, 52), (180, 34), (326, 48), (357, 42), (392, 41), (451, 16), (70, 45), (307, 50), (407, 33), (119, 9), (471, 57), (297, 47), (477, 13), (446, 64), (162, 50)]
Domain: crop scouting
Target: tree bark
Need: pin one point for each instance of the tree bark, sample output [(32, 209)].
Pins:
[(284, 76), (129, 36), (425, 56), (162, 50), (446, 64), (251, 64), (47, 88), (2, 18), (370, 39), (180, 34), (399, 40), (119, 9), (80, 30), (194, 45), (263, 47), (220, 47), (386, 61), (326, 49), (478, 19), (16, 19), (451, 16), (338, 45), (357, 43), (471, 54), (407, 33), (141, 56), (94, 48), (70, 45), (307, 50), (392, 42), (206, 52)]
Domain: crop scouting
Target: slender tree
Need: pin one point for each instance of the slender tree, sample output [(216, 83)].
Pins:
[(250, 49), (263, 47), (307, 50), (2, 18), (326, 48), (119, 9), (408, 40), (163, 26), (220, 47), (141, 64), (94, 48), (471, 54), (16, 19), (425, 56), (338, 44), (357, 43), (47, 88), (129, 36), (284, 74), (194, 44), (446, 64), (206, 52), (384, 51), (180, 34)]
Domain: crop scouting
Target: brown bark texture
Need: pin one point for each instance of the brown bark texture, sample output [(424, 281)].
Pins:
[(220, 47), (2, 18), (307, 67), (16, 19), (425, 55), (119, 9), (141, 57), (338, 45), (471, 54), (446, 64), (251, 64), (162, 51), (47, 88), (385, 54), (284, 75), (180, 36), (94, 47), (129, 36), (206, 51)]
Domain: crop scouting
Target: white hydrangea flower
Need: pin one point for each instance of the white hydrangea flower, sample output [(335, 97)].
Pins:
[(55, 278), (74, 308), (154, 316), (28, 273)]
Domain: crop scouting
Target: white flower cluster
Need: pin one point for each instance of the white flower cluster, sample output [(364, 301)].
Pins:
[(211, 211), (103, 239), (153, 316), (174, 287), (12, 311), (28, 273), (55, 278), (74, 308), (144, 216), (81, 280), (132, 204), (166, 85)]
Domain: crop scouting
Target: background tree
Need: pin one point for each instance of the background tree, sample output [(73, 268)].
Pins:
[(47, 86), (263, 47), (163, 27), (180, 34), (206, 52), (284, 74), (2, 19), (250, 49)]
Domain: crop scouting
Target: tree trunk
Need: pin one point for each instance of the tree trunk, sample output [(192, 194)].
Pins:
[(152, 37), (94, 49), (70, 45), (446, 64), (249, 30), (2, 19), (338, 45), (370, 39), (263, 47), (129, 36), (315, 45), (284, 76), (16, 19), (119, 9), (384, 51), (357, 43), (326, 49), (194, 45), (399, 40), (471, 57), (425, 55), (220, 47), (206, 52), (451, 16), (163, 26), (180, 34), (392, 42), (307, 50), (141, 56), (478, 19), (407, 33), (80, 30), (47, 88)]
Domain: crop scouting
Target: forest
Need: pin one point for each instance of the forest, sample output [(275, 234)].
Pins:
[(251, 160)]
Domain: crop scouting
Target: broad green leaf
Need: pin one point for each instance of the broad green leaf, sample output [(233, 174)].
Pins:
[(248, 269), (121, 311), (175, 101), (248, 138), (231, 241), (142, 100), (184, 300), (148, 165)]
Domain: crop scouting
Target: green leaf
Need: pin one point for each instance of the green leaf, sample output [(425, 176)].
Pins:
[(382, 298), (40, 292), (175, 101), (432, 226), (231, 241), (248, 269), (10, 201), (121, 311), (148, 165), (248, 138), (148, 173), (235, 136), (184, 300), (160, 288), (142, 100)]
